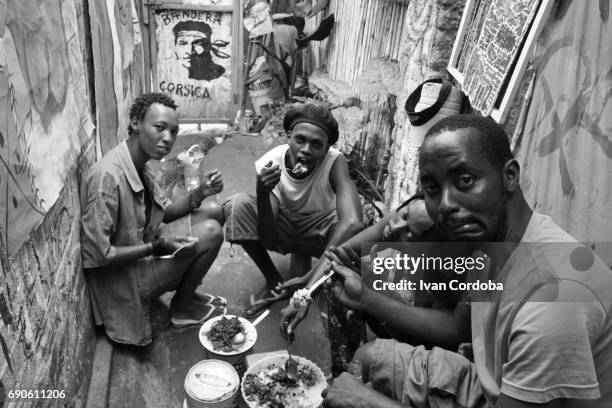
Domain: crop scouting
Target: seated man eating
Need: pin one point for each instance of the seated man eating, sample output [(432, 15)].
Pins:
[(305, 200), (544, 340), (409, 223), (130, 257)]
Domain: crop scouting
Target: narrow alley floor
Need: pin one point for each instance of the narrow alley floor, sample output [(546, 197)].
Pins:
[(154, 376)]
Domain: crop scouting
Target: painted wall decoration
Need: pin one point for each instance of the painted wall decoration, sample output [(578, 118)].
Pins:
[(492, 48), (118, 63), (194, 60), (498, 42), (44, 117), (566, 146)]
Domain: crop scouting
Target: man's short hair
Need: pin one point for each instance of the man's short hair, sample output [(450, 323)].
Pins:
[(139, 108), (493, 139), (191, 25)]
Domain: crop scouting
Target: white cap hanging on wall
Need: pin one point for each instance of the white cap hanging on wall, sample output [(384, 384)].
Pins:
[(431, 101)]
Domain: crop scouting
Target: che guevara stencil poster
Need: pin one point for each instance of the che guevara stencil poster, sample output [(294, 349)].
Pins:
[(194, 60)]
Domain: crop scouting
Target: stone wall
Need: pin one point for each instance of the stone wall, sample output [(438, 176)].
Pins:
[(428, 41), (49, 69), (370, 108), (46, 332)]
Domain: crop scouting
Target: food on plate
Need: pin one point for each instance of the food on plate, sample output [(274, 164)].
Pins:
[(221, 334), (300, 298), (270, 387), (239, 338), (299, 169)]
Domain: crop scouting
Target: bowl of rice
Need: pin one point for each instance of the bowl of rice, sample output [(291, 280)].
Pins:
[(266, 385)]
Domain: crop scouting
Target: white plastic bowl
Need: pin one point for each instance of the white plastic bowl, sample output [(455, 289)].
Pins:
[(314, 393)]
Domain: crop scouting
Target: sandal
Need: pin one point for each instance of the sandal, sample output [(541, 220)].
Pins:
[(258, 306), (213, 311), (210, 299)]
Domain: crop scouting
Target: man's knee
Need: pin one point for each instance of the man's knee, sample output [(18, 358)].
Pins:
[(209, 233), (238, 204), (209, 210), (365, 355)]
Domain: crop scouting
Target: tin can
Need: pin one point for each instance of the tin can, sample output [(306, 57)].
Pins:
[(211, 384)]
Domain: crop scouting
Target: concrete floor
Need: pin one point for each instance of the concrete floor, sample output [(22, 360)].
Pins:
[(154, 376)]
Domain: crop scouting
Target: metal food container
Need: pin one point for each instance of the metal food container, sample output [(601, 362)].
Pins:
[(211, 384)]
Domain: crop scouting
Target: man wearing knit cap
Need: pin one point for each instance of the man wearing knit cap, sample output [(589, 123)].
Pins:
[(305, 201)]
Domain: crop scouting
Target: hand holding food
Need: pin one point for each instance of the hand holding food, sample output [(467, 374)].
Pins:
[(348, 289), (268, 178), (290, 318), (300, 298)]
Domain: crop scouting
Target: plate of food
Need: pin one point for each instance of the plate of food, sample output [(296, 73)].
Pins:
[(266, 385), (228, 335)]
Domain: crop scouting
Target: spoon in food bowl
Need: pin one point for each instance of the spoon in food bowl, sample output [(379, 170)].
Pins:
[(290, 364), (240, 338)]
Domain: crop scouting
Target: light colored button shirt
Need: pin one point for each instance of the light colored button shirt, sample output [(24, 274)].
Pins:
[(113, 203)]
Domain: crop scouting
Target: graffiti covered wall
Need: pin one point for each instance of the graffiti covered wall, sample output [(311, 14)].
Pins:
[(44, 121), (566, 146), (47, 140), (194, 49), (118, 65)]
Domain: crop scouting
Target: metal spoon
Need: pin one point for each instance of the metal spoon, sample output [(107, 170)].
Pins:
[(254, 323), (172, 255), (290, 364)]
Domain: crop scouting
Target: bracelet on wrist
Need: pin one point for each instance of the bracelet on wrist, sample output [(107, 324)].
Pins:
[(300, 298)]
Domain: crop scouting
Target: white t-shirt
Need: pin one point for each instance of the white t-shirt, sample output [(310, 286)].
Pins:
[(310, 195), (548, 335)]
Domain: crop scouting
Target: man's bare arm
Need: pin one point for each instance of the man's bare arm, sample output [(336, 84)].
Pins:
[(348, 207), (267, 204), (434, 327)]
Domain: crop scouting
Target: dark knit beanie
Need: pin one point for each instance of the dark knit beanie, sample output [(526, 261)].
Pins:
[(315, 115)]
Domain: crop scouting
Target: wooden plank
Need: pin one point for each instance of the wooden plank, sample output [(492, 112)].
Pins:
[(459, 39), (196, 7), (238, 36), (153, 48), (195, 121), (143, 12)]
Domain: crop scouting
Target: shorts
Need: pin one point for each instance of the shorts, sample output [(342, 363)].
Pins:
[(301, 234), (419, 377)]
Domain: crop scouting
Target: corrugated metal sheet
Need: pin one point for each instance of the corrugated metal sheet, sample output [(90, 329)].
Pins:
[(566, 149)]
